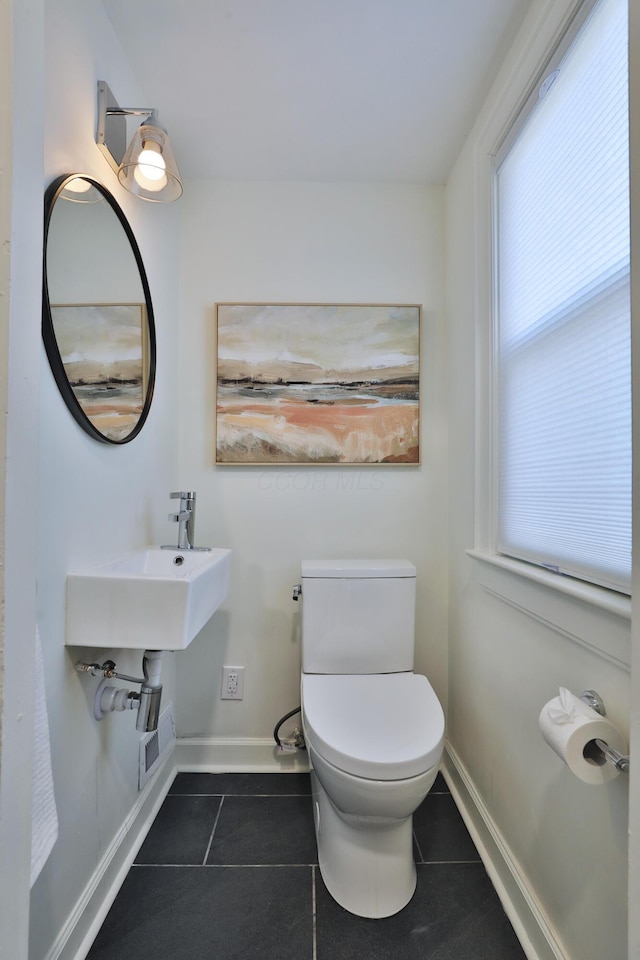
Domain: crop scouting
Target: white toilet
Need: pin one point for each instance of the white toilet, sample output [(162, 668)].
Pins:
[(374, 729)]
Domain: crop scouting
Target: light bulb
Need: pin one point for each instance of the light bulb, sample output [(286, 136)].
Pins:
[(149, 171), (78, 185), (79, 190)]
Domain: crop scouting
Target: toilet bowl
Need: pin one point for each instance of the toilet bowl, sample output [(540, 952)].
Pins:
[(375, 736)]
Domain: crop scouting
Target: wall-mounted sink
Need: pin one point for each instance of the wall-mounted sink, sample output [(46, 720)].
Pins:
[(152, 599)]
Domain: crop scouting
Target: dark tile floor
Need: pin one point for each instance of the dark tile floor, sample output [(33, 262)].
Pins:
[(229, 871)]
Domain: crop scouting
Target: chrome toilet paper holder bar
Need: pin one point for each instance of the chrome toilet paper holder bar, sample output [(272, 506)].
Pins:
[(619, 761)]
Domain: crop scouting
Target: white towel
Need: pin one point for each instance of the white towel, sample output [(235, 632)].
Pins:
[(44, 817)]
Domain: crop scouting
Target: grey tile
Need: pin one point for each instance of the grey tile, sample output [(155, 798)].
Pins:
[(455, 914), (440, 830), (253, 900), (209, 913), (439, 785), (264, 830), (181, 832), (242, 784)]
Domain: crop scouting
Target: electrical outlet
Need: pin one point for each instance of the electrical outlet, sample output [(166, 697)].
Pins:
[(232, 683)]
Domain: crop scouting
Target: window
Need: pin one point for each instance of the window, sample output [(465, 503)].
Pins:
[(563, 316)]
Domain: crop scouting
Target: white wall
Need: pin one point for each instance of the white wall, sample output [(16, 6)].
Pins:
[(567, 840), (634, 796), (96, 501), (21, 42), (309, 242)]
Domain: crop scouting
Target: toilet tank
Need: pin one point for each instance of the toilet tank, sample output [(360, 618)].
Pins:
[(358, 616)]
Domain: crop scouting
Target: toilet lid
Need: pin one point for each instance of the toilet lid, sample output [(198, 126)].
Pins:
[(386, 726)]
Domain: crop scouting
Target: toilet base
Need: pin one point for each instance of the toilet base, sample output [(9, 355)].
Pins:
[(367, 867)]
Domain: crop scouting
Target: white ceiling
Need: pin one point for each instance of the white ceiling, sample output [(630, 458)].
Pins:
[(338, 90)]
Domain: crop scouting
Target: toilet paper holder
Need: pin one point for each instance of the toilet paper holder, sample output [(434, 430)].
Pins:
[(619, 761)]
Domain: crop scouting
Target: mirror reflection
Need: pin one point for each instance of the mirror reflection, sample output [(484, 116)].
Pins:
[(97, 317)]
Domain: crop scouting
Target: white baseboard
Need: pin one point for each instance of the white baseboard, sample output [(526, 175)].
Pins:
[(218, 755), (80, 930), (530, 922)]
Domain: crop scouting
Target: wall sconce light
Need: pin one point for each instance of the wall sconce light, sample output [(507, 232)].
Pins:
[(147, 167)]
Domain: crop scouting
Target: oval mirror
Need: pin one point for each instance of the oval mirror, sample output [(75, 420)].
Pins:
[(97, 317)]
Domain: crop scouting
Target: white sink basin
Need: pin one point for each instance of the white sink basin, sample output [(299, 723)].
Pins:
[(150, 600)]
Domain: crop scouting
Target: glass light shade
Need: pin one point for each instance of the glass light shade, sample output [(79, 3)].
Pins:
[(149, 168), (79, 190)]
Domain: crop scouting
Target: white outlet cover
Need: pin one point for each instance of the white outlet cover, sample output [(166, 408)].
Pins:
[(227, 692)]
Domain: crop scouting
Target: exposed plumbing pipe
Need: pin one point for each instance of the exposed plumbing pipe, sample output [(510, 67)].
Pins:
[(150, 691), (109, 699)]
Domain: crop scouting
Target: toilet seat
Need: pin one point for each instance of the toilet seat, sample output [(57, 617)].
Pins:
[(376, 726)]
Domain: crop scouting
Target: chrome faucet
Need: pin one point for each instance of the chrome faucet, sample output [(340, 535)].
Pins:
[(185, 517), (186, 520)]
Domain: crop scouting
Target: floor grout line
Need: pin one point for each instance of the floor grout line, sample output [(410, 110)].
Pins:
[(314, 928), (215, 824), (431, 863), (227, 866), (249, 796), (415, 840), (425, 863), (279, 865), (259, 865), (275, 796)]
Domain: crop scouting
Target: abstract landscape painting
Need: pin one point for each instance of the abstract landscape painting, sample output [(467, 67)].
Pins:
[(318, 383), (104, 353)]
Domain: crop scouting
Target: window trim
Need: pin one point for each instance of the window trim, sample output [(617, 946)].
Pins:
[(574, 24), (595, 617)]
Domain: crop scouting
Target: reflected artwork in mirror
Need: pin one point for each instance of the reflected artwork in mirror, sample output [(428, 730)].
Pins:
[(97, 317)]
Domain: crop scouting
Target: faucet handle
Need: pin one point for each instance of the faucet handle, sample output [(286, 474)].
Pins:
[(183, 495), (177, 517)]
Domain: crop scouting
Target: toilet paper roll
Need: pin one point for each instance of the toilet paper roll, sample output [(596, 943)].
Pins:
[(569, 726)]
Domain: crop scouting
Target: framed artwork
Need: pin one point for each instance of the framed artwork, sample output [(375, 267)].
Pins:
[(317, 383), (104, 350)]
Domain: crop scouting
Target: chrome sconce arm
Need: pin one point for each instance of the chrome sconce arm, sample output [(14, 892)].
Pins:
[(147, 166)]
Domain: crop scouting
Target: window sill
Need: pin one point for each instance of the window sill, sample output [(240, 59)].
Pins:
[(591, 616)]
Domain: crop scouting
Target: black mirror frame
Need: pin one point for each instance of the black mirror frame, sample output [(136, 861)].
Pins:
[(48, 334)]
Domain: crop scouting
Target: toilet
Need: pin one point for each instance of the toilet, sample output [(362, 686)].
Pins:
[(374, 729)]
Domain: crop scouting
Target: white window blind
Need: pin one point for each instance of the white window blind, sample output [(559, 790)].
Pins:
[(563, 317)]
